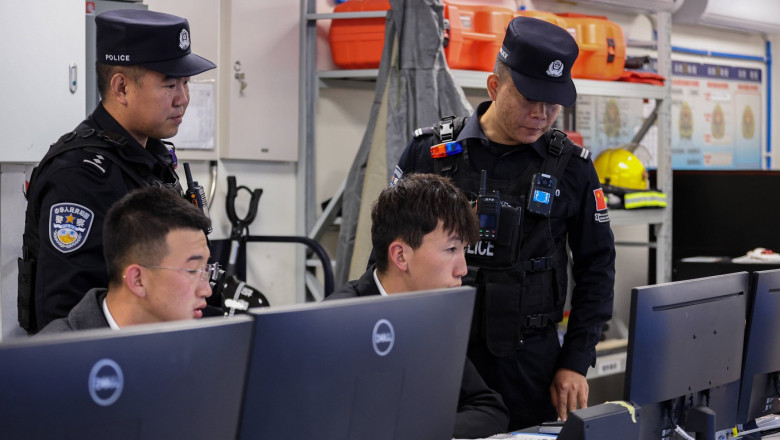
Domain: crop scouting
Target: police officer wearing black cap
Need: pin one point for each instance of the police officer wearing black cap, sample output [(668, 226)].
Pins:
[(550, 196), (143, 69)]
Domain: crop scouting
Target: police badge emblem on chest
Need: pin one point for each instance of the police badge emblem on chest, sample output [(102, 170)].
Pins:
[(69, 226)]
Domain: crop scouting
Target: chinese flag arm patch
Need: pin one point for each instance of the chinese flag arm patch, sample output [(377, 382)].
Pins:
[(601, 201)]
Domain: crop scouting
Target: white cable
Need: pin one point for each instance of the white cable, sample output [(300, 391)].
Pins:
[(682, 433)]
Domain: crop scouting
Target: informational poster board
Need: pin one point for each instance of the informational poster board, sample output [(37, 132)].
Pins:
[(716, 116), (611, 122)]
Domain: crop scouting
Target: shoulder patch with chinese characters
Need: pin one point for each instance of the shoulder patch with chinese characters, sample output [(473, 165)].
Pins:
[(69, 225)]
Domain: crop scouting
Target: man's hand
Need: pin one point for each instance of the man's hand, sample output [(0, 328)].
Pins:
[(569, 391)]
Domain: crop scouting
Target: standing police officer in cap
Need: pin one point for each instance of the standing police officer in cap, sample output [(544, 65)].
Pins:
[(539, 192), (143, 70)]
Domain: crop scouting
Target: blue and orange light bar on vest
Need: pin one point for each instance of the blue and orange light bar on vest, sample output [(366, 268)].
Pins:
[(446, 149)]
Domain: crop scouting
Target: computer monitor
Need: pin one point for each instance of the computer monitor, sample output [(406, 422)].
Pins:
[(379, 368), (685, 354), (760, 391), (163, 381)]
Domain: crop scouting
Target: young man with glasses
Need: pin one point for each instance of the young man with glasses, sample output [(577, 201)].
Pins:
[(157, 258)]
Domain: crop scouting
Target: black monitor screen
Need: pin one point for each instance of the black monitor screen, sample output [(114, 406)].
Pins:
[(685, 341), (760, 391), (163, 381), (380, 367)]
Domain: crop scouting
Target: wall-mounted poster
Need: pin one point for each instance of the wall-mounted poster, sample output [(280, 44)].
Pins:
[(716, 116), (611, 122)]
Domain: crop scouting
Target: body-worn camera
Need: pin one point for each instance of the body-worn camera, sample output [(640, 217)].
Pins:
[(541, 194)]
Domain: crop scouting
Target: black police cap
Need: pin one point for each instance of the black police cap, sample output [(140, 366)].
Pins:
[(540, 56), (154, 40)]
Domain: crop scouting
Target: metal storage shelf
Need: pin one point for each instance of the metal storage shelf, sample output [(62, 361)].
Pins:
[(621, 217), (472, 79)]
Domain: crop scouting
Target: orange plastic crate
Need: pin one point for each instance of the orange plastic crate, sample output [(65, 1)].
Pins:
[(602, 46), (543, 15), (358, 43), (475, 35), (473, 40)]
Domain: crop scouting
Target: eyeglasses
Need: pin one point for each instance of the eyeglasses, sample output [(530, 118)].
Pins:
[(208, 272)]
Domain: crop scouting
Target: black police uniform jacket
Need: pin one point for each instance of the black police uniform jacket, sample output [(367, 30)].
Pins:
[(67, 201), (481, 411), (579, 215)]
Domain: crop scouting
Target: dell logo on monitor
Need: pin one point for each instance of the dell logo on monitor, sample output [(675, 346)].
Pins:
[(383, 337), (105, 382)]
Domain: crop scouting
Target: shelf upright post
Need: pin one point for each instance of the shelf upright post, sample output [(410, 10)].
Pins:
[(307, 94), (663, 230)]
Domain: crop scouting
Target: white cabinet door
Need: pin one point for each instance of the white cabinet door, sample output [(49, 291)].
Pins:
[(42, 45), (263, 119)]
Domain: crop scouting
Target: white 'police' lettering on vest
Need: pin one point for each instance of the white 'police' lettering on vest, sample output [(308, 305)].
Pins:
[(482, 248)]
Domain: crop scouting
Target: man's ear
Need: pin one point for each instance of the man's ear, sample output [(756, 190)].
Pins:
[(118, 86), (397, 255), (492, 86), (135, 280)]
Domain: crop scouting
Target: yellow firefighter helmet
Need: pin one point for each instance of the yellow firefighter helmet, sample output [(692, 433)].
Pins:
[(620, 168)]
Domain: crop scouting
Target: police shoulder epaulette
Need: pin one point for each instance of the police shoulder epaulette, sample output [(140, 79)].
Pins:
[(96, 162), (582, 152), (93, 151)]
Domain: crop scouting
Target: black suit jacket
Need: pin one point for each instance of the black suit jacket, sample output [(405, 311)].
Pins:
[(481, 411)]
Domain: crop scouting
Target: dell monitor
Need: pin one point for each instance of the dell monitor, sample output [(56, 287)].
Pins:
[(685, 354), (379, 368), (172, 380), (760, 391)]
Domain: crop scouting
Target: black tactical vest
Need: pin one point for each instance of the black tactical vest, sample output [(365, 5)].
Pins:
[(529, 294)]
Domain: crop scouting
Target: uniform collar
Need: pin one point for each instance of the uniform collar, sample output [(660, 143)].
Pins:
[(473, 130), (150, 156)]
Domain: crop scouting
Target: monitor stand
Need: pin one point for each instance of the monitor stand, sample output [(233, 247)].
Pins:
[(700, 420)]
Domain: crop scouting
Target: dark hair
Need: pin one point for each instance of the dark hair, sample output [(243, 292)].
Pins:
[(104, 72), (136, 227), (413, 207), (502, 70)]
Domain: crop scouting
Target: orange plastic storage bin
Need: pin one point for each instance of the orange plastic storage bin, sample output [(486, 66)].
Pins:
[(602, 46), (357, 43), (475, 35), (472, 42), (543, 15)]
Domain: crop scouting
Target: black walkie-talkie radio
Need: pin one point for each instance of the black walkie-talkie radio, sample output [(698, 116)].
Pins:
[(488, 210), (500, 230), (196, 194)]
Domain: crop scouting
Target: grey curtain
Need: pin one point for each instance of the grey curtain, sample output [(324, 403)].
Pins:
[(414, 88)]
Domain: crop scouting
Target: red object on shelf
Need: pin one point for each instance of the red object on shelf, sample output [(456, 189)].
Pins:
[(358, 43), (575, 137), (642, 77)]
